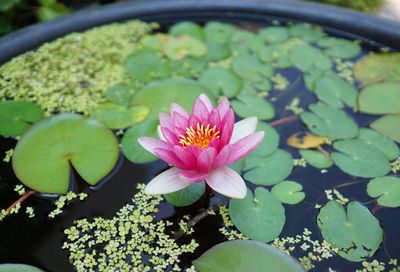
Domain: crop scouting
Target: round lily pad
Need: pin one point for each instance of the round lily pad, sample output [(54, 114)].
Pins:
[(17, 116), (380, 98), (147, 67), (360, 159), (378, 67), (305, 32), (250, 41), (259, 217), (389, 126), (268, 170), (339, 48), (277, 53), (8, 267), (334, 91), (356, 234), (115, 116), (288, 192), (218, 32), (387, 189), (177, 48), (187, 196), (188, 28), (305, 139), (188, 68), (387, 146), (217, 51), (248, 105), (43, 155), (131, 148), (155, 41), (307, 58), (270, 141), (244, 255), (330, 122), (158, 95), (316, 159), (274, 34), (250, 68), (120, 93), (218, 79)]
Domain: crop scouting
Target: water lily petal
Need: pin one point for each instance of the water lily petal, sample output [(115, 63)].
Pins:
[(168, 181), (243, 128), (227, 127), (165, 120), (244, 146), (160, 135), (223, 107), (151, 144), (170, 157), (200, 110), (194, 176), (179, 109), (169, 136), (227, 182), (206, 159), (193, 121), (180, 120), (206, 101), (186, 156), (214, 119), (222, 157)]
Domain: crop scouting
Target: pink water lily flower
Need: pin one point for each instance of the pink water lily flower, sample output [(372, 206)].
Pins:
[(199, 146)]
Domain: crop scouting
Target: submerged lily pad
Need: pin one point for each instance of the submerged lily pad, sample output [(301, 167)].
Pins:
[(274, 34), (8, 267), (250, 68), (17, 116), (389, 126), (334, 91), (115, 116), (387, 146), (218, 32), (259, 217), (180, 47), (305, 32), (268, 170), (339, 48), (147, 67), (378, 67), (288, 192), (243, 255), (316, 158), (387, 189), (158, 95), (131, 148), (187, 28), (43, 155), (307, 58), (330, 122), (356, 234), (120, 94), (360, 159), (270, 141), (248, 105), (380, 98), (218, 79), (187, 196)]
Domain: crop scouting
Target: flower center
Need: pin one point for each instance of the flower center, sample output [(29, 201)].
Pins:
[(200, 137)]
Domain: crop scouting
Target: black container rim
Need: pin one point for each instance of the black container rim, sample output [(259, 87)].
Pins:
[(382, 31)]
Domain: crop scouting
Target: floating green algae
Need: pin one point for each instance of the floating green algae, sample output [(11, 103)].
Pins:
[(72, 73)]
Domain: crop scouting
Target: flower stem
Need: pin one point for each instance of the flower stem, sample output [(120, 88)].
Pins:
[(21, 199), (283, 120), (376, 208), (323, 151)]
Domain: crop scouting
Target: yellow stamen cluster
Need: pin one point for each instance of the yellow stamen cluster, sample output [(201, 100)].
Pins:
[(202, 137)]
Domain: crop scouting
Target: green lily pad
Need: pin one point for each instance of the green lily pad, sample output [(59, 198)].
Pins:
[(307, 58), (334, 91), (43, 155), (330, 122), (268, 170), (154, 41), (339, 48), (305, 32), (158, 95), (131, 148), (147, 67), (8, 267), (218, 79), (389, 126), (387, 146), (316, 159), (217, 51), (187, 196), (243, 255), (180, 47), (270, 142), (188, 68), (17, 116), (218, 32), (288, 192), (274, 34), (378, 67), (360, 159), (380, 98), (248, 105), (115, 116), (260, 217), (387, 189), (120, 94), (356, 234), (277, 53), (250, 68), (187, 28), (249, 40)]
